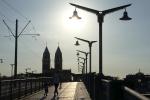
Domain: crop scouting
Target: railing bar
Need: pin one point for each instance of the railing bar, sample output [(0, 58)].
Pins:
[(16, 88), (134, 93)]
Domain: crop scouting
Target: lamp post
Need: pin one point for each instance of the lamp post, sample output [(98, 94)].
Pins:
[(100, 16), (86, 54), (12, 65), (78, 60), (82, 67), (1, 60), (83, 70), (16, 36), (90, 50), (27, 71), (33, 71)]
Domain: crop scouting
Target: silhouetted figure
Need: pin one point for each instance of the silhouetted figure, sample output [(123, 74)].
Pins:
[(45, 88), (60, 80), (56, 81)]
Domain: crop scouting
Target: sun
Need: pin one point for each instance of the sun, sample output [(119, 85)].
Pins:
[(74, 23)]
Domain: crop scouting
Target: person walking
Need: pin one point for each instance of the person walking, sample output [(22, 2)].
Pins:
[(56, 81), (45, 88)]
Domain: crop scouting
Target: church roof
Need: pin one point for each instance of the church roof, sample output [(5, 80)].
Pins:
[(46, 51), (140, 73), (58, 51)]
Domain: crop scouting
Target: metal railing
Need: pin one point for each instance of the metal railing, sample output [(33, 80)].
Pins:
[(16, 88), (113, 89), (130, 94)]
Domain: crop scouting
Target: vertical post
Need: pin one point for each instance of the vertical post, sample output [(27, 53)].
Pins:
[(31, 81), (16, 42), (25, 86), (0, 86), (16, 46), (35, 84), (86, 80), (39, 83), (19, 89), (11, 88), (89, 79), (86, 62), (100, 21), (84, 66), (90, 46)]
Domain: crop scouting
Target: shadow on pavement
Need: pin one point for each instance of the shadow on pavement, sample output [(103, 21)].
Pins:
[(55, 98), (43, 98)]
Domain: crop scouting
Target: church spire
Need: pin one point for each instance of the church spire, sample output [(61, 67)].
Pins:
[(58, 59), (46, 61)]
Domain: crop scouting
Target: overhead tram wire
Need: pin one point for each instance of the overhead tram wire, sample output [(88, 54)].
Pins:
[(16, 38), (29, 48), (14, 9), (18, 12), (34, 54), (6, 13), (3, 16)]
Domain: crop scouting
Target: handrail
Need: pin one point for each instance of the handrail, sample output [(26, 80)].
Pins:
[(23, 79), (15, 88), (107, 89), (134, 93), (107, 81)]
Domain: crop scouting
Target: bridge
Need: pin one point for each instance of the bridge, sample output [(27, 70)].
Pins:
[(90, 87)]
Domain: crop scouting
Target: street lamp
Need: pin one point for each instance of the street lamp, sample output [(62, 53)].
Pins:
[(75, 15), (83, 70), (12, 65), (125, 16), (83, 65), (100, 16), (86, 54), (1, 60), (27, 71), (33, 71), (77, 43), (78, 60), (90, 48)]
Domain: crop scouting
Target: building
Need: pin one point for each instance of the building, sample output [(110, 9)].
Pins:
[(58, 59), (46, 62), (47, 70), (139, 82)]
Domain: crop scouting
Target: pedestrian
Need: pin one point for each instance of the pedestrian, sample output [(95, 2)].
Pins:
[(45, 88), (56, 81)]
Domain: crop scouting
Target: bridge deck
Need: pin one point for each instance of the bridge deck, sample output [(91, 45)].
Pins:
[(69, 91)]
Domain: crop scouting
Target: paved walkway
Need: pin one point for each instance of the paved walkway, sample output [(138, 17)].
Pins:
[(69, 91)]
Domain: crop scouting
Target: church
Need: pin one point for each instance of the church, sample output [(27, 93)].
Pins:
[(47, 69)]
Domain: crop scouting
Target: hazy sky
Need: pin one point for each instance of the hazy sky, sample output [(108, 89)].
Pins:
[(126, 44)]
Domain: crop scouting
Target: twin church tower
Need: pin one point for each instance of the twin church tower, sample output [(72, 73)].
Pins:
[(46, 61)]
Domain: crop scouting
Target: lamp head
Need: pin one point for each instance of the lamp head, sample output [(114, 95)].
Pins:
[(75, 15), (77, 43), (125, 16)]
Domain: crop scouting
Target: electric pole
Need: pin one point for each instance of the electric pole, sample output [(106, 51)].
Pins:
[(16, 36)]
